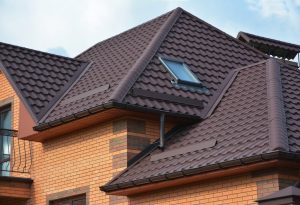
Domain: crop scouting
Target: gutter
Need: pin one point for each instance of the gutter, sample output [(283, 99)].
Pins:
[(117, 189)]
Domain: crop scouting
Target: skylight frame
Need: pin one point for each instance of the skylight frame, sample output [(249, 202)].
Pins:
[(177, 80)]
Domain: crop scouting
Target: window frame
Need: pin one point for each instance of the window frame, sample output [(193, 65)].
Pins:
[(5, 108), (68, 199), (176, 79)]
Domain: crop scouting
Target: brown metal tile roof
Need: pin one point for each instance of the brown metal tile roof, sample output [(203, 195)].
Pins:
[(112, 61), (290, 76), (270, 46), (39, 78), (248, 124), (208, 52), (129, 62)]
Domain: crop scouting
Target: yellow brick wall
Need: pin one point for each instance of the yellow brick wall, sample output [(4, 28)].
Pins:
[(78, 160), (83, 161), (238, 190), (7, 93)]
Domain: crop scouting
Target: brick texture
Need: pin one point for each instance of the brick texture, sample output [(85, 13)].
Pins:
[(87, 158), (8, 95), (82, 161)]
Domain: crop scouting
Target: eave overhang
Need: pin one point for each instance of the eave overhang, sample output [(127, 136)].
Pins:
[(229, 168)]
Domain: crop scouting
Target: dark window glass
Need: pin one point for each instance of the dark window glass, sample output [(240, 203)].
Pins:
[(5, 141), (180, 71)]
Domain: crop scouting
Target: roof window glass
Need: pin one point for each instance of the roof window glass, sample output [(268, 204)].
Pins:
[(180, 71)]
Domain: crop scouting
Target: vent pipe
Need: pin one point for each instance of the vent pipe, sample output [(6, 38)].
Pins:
[(162, 131), (298, 60)]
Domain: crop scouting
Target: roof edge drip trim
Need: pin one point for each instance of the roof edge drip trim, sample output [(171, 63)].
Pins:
[(127, 82), (47, 125), (275, 155), (278, 137)]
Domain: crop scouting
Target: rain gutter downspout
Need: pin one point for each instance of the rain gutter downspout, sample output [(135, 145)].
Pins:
[(162, 131)]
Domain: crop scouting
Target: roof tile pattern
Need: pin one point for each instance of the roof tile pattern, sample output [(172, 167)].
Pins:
[(112, 60), (274, 47), (208, 52), (291, 93), (39, 76), (239, 124)]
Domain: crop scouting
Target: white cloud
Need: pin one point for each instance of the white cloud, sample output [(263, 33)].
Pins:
[(73, 24), (287, 10)]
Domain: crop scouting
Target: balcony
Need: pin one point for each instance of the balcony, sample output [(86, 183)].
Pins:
[(15, 165)]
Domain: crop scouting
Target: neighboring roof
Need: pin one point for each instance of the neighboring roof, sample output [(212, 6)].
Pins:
[(127, 65), (39, 78), (257, 117), (270, 46), (288, 195)]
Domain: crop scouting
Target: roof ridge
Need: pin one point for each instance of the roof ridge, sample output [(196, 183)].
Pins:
[(127, 82), (278, 137), (43, 52), (45, 112), (40, 55), (225, 85), (119, 34), (226, 34)]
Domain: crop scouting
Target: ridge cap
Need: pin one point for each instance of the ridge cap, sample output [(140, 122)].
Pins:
[(78, 56), (227, 35), (64, 91), (225, 85), (278, 137), (139, 66)]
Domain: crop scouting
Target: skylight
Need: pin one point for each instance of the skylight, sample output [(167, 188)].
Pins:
[(180, 71)]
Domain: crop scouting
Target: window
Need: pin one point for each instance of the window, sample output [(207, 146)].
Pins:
[(74, 200), (181, 72), (5, 141)]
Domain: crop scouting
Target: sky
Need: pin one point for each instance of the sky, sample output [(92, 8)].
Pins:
[(68, 27)]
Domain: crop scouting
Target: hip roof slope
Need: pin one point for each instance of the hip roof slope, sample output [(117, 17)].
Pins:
[(242, 125)]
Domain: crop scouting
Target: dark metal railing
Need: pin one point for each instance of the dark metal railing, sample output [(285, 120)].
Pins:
[(15, 154)]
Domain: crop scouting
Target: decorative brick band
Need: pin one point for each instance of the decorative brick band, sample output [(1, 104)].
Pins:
[(128, 142), (120, 160), (129, 125), (118, 143)]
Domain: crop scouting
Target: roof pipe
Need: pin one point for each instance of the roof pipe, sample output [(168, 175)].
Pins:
[(298, 60), (162, 131)]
